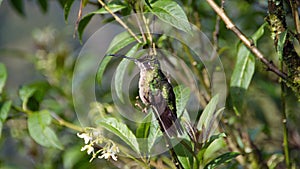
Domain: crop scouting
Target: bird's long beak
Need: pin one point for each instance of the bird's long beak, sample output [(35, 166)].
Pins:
[(122, 56)]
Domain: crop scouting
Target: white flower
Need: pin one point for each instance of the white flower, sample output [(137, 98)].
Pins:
[(89, 148), (111, 152), (85, 136)]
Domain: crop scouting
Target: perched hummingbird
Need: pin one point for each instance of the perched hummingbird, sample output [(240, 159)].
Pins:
[(155, 90)]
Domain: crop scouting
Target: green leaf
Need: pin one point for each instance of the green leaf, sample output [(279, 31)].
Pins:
[(4, 110), (67, 8), (224, 158), (154, 133), (182, 95), (86, 19), (3, 76), (1, 2), (281, 43), (18, 5), (119, 77), (243, 72), (34, 92), (44, 5), (119, 42), (171, 13), (144, 128), (184, 155), (39, 130), (208, 113), (121, 130), (3, 114)]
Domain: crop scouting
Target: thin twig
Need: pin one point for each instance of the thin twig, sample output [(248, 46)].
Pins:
[(295, 13), (78, 18), (118, 19), (69, 125), (230, 25)]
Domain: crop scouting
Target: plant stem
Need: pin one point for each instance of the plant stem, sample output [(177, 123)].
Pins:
[(247, 42), (284, 125), (69, 125)]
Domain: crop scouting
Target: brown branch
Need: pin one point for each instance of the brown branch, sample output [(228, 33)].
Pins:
[(230, 25)]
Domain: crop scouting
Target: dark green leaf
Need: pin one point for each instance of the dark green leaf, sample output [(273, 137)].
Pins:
[(86, 19), (224, 158), (119, 76), (18, 5), (44, 5), (243, 72), (3, 76), (119, 42), (39, 130), (121, 130), (67, 8), (171, 13), (182, 95)]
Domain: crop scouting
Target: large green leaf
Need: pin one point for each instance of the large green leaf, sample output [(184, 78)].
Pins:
[(182, 97), (39, 130), (86, 19), (119, 76), (243, 72), (224, 158), (4, 113), (208, 113), (171, 13), (121, 130), (3, 76), (119, 42)]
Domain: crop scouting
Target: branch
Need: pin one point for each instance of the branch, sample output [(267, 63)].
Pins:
[(230, 25)]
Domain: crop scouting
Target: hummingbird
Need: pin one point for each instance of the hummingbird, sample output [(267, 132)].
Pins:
[(156, 90)]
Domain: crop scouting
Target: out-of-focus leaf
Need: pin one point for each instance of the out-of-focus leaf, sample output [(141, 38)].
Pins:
[(224, 158), (182, 97), (1, 2), (171, 13), (67, 8), (4, 113), (243, 72), (44, 5), (84, 2), (86, 19), (34, 92), (119, 77), (3, 76), (121, 130), (119, 42), (39, 130), (18, 5), (71, 156)]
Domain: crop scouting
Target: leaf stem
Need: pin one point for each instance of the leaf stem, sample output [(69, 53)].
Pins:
[(247, 42)]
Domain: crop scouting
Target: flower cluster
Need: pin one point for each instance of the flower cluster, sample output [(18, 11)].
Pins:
[(93, 139)]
